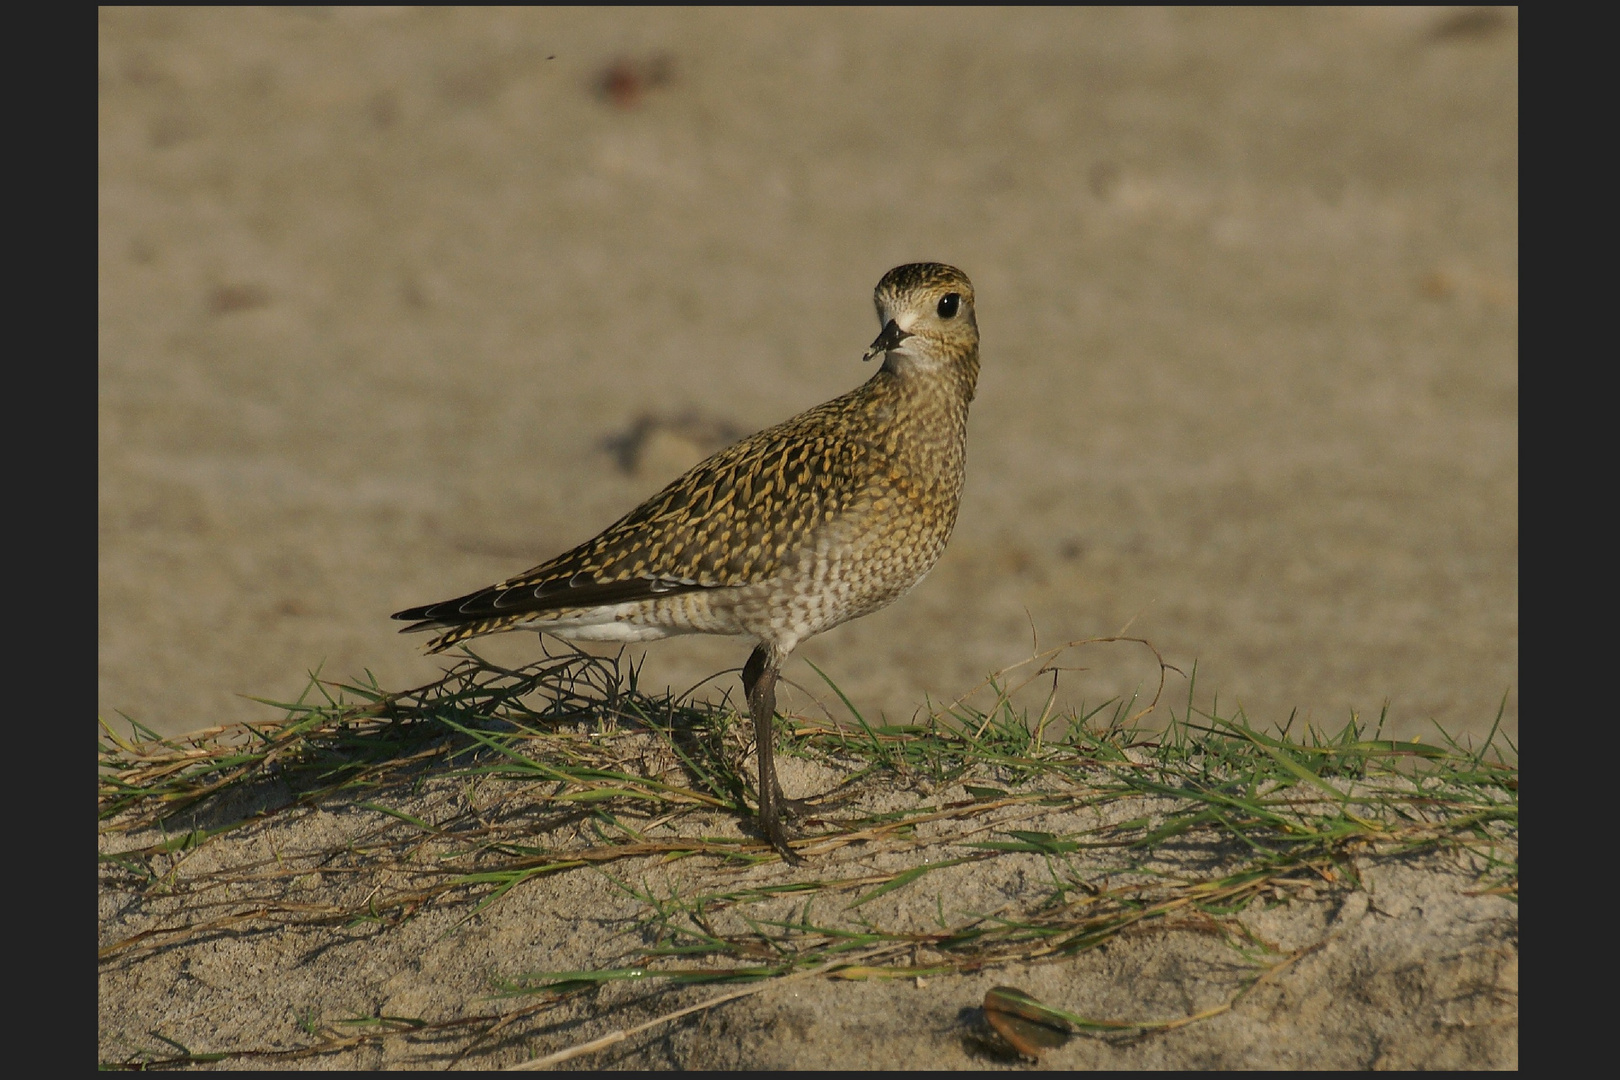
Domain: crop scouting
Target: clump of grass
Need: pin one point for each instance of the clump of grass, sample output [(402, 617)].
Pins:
[(572, 739)]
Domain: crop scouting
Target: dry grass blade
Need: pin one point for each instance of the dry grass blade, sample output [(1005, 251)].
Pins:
[(615, 1037)]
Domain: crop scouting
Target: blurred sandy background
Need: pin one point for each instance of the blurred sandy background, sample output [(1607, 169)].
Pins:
[(396, 302)]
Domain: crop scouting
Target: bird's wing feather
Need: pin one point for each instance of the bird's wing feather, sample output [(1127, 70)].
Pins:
[(730, 520), (522, 598)]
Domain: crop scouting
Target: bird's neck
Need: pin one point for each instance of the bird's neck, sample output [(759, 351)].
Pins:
[(953, 379), (927, 410)]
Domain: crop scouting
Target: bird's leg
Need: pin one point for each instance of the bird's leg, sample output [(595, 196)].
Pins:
[(759, 683)]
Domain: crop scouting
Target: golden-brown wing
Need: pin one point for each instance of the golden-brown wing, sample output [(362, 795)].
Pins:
[(731, 520)]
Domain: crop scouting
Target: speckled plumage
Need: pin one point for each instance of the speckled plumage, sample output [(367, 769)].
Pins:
[(802, 526), (821, 519)]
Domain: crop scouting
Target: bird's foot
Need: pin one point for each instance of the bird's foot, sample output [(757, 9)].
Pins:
[(784, 809), (771, 826), (794, 809), (801, 809)]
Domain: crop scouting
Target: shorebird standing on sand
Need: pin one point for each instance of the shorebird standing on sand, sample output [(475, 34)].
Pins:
[(821, 519)]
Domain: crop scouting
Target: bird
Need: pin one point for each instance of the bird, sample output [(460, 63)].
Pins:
[(787, 533)]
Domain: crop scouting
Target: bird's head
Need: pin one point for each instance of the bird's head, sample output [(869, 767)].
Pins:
[(926, 311)]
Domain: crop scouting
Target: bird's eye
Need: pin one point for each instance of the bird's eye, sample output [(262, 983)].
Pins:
[(948, 305)]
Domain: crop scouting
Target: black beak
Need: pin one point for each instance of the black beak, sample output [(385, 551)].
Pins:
[(892, 335)]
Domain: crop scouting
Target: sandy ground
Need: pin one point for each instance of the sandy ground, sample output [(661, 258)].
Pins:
[(1417, 968), (394, 303)]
